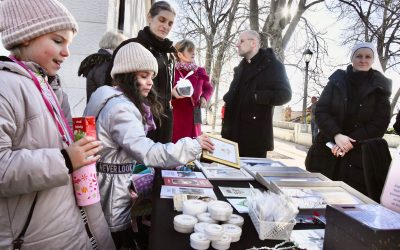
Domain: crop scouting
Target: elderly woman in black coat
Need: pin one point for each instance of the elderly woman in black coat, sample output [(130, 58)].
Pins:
[(396, 125), (354, 107), (94, 66)]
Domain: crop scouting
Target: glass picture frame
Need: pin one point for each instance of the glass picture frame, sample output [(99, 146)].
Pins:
[(265, 178), (252, 161), (254, 169), (223, 173), (225, 152), (315, 196)]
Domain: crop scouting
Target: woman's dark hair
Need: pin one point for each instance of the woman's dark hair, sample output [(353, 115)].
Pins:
[(182, 45), (128, 84), (159, 6)]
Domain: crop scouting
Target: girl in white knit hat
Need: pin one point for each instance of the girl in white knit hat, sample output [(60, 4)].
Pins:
[(125, 113), (37, 152)]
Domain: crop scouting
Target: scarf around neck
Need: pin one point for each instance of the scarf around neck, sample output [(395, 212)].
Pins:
[(186, 66), (147, 37)]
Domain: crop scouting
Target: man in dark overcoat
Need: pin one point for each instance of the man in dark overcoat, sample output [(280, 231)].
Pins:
[(259, 83)]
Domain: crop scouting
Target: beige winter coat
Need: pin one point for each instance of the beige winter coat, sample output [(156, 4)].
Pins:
[(30, 162)]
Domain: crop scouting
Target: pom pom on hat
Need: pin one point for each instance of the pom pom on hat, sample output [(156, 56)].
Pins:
[(24, 20), (133, 57)]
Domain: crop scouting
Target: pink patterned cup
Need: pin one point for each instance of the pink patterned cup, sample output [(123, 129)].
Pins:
[(85, 185)]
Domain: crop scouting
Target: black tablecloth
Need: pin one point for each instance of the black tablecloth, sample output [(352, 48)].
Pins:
[(163, 235)]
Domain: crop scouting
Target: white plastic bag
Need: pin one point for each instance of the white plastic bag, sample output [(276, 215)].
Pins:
[(184, 87)]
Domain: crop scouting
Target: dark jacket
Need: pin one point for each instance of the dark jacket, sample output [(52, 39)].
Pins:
[(94, 68), (369, 121), (396, 125), (163, 52), (248, 112)]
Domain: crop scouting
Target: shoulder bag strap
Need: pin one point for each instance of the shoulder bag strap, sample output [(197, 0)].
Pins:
[(97, 116), (17, 243)]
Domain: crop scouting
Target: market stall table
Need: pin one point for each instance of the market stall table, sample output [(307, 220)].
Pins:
[(162, 233)]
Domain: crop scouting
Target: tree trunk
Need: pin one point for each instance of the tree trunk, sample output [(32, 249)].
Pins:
[(254, 15)]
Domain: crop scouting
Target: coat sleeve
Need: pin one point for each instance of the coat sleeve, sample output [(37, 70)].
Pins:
[(326, 121), (25, 170), (207, 88), (127, 130), (91, 85), (377, 125), (277, 90), (396, 125)]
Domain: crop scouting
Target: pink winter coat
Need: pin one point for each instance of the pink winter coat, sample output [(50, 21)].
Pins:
[(184, 125)]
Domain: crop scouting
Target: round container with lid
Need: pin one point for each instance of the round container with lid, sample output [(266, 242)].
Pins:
[(213, 231), (206, 217), (184, 223), (199, 227), (199, 241), (223, 243), (220, 210), (235, 219), (194, 207), (232, 231)]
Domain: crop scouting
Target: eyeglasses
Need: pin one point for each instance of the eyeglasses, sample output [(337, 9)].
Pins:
[(242, 40)]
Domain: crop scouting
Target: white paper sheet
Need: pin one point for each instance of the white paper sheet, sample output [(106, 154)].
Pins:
[(169, 191), (182, 174), (240, 204), (308, 239)]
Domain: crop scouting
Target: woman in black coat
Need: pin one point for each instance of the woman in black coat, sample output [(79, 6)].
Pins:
[(353, 108), (161, 17), (396, 125), (94, 66)]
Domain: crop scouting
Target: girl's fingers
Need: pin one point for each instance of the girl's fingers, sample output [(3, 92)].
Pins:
[(90, 145)]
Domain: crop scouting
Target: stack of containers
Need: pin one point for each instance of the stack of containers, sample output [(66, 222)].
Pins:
[(205, 224)]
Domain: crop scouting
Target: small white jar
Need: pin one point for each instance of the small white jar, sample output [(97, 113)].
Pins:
[(232, 231), (222, 244), (194, 207), (199, 227), (184, 223), (206, 217), (236, 219), (213, 231), (220, 210), (199, 241)]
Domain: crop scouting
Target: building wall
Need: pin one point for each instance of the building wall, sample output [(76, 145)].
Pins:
[(94, 17)]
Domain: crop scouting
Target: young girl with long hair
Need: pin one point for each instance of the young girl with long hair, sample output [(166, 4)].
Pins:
[(125, 113)]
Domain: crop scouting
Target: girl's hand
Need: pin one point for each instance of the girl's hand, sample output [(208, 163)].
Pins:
[(205, 143), (82, 152), (344, 142)]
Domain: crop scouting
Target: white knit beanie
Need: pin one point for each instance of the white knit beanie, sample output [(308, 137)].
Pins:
[(24, 20), (363, 45), (133, 57)]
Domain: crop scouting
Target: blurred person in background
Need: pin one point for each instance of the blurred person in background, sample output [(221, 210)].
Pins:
[(187, 110), (94, 67)]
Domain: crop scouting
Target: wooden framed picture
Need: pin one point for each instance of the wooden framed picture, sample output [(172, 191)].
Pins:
[(314, 196), (265, 178), (225, 152)]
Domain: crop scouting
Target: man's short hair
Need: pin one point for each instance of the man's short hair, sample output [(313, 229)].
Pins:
[(255, 35)]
